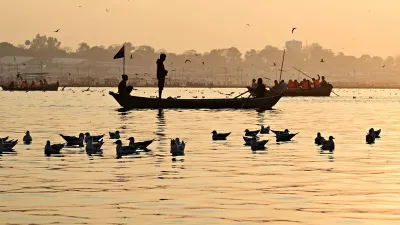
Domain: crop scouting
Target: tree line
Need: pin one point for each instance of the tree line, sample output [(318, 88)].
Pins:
[(311, 57)]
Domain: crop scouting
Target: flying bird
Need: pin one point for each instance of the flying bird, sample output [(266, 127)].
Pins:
[(322, 60), (57, 30), (274, 64), (248, 25), (187, 60), (202, 63), (196, 54), (294, 28), (383, 66), (80, 6), (107, 10)]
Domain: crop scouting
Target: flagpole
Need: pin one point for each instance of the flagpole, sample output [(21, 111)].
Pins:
[(123, 66)]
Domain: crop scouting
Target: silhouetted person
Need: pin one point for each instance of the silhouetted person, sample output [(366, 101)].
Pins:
[(296, 84), (161, 73), (45, 82), (254, 84), (260, 90), (323, 81), (122, 88), (41, 82)]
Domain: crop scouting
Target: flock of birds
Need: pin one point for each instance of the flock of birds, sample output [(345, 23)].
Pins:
[(95, 142)]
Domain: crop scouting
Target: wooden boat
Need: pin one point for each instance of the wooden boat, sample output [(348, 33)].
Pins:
[(134, 102), (49, 87), (324, 91)]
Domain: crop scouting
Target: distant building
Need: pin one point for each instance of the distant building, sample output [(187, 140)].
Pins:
[(294, 46)]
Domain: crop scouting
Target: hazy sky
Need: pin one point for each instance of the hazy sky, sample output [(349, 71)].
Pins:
[(352, 26)]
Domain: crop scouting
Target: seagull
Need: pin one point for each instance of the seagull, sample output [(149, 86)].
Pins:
[(202, 63), (322, 60), (57, 30), (274, 64), (248, 25), (107, 10), (294, 28), (80, 6), (383, 66), (196, 54), (187, 60)]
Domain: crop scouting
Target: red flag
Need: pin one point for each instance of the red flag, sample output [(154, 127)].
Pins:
[(120, 53)]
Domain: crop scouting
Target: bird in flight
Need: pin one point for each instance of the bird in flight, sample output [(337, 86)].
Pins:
[(383, 66), (274, 64), (202, 63), (294, 28), (248, 25), (187, 60), (197, 54), (80, 6), (57, 30), (107, 10), (322, 60)]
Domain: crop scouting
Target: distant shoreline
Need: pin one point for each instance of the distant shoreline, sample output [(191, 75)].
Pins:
[(236, 86)]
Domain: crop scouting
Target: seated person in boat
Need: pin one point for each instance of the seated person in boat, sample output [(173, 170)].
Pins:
[(122, 88), (11, 85), (33, 84), (296, 84), (45, 82), (41, 82), (24, 84), (260, 90), (253, 86), (323, 81), (283, 86), (316, 82), (291, 84), (304, 84)]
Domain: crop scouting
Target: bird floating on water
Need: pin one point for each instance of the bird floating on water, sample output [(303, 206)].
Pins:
[(258, 145), (50, 149), (284, 136), (329, 144), (219, 136), (27, 138), (124, 150), (319, 139), (370, 137), (251, 133), (114, 135), (7, 146), (93, 148), (140, 145), (177, 147), (95, 138), (265, 130)]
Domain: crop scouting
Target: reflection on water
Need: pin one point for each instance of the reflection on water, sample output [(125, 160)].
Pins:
[(216, 182)]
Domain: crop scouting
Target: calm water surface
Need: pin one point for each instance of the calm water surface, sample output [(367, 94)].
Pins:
[(215, 182)]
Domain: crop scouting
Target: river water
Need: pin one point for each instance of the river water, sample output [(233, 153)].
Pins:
[(220, 182)]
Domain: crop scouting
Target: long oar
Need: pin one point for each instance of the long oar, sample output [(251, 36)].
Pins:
[(302, 72), (335, 93), (245, 101), (241, 95)]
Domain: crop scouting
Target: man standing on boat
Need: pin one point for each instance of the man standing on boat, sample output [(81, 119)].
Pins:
[(161, 73)]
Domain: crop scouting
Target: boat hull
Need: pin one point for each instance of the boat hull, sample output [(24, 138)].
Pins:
[(50, 87), (312, 92), (134, 102)]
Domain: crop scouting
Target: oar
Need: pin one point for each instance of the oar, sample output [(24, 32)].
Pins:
[(241, 94), (335, 93), (302, 72), (245, 101)]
